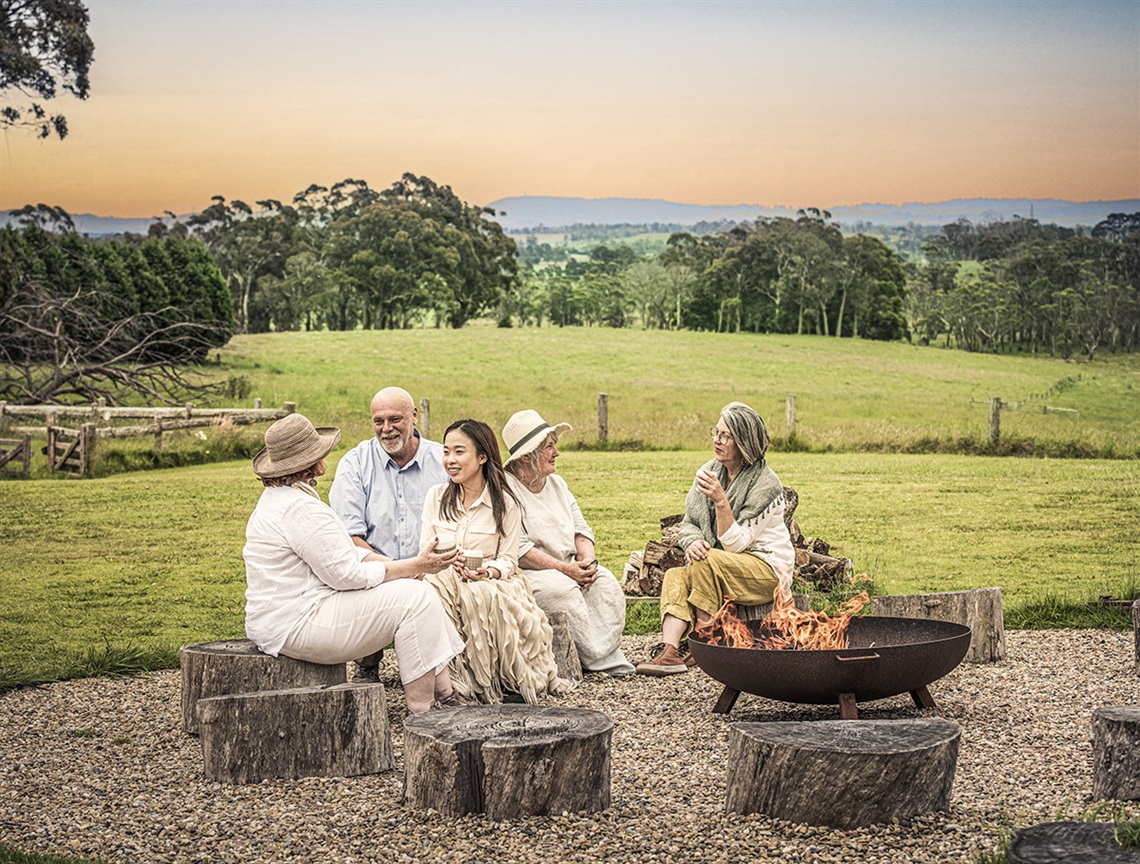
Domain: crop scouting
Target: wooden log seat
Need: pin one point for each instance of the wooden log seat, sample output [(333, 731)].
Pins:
[(1136, 632), (979, 609), (1116, 753), (565, 651), (508, 761), (236, 666), (339, 731), (842, 773), (1068, 843), (758, 613)]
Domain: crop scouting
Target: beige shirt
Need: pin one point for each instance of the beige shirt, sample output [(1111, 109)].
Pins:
[(475, 529), (551, 519)]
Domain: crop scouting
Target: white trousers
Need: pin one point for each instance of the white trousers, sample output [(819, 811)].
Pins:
[(346, 625), (596, 615)]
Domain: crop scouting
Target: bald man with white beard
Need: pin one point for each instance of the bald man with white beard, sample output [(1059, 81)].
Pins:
[(381, 483)]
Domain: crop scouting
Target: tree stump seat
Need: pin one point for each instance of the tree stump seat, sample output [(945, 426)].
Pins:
[(1136, 632), (1069, 843), (980, 609), (763, 610), (338, 731), (1116, 753), (237, 666), (565, 651), (508, 761), (842, 773)]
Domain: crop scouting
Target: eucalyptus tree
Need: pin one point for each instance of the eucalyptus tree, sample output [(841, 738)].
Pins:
[(44, 49)]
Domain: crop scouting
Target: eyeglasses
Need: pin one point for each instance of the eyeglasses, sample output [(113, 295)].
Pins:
[(719, 437)]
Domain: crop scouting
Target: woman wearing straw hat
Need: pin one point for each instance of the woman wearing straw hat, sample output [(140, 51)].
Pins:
[(509, 641), (735, 540), (556, 552), (311, 594)]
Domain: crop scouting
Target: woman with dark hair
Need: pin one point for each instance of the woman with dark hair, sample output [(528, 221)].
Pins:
[(735, 540), (508, 637), (311, 594)]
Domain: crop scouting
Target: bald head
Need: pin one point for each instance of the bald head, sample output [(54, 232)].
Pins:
[(394, 418)]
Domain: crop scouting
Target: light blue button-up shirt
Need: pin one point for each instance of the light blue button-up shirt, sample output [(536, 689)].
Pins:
[(381, 502)]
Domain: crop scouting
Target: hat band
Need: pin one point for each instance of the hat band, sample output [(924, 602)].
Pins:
[(543, 426)]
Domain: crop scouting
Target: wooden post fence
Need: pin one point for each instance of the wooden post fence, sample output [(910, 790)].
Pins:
[(603, 418), (70, 450), (17, 452), (995, 421), (790, 415), (425, 417)]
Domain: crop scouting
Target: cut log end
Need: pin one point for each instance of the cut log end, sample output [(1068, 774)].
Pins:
[(842, 773), (508, 761)]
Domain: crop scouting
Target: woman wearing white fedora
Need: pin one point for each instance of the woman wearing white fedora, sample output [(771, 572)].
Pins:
[(556, 551), (311, 594)]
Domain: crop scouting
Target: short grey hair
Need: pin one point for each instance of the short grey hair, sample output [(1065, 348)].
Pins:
[(748, 431)]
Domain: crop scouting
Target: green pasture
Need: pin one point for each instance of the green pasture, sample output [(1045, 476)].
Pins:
[(117, 572), (114, 574), (666, 388)]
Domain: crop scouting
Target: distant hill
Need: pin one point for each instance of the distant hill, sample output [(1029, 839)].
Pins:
[(530, 212), (94, 226), (533, 211)]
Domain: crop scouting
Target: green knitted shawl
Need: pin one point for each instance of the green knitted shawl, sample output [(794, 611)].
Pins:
[(755, 490)]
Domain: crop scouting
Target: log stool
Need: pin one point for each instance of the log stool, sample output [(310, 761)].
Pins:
[(508, 760), (980, 609), (339, 731), (842, 773), (1116, 753), (1069, 843), (1136, 632), (236, 666), (565, 651)]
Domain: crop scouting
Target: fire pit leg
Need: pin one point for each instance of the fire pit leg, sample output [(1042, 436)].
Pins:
[(727, 699), (847, 709), (922, 698)]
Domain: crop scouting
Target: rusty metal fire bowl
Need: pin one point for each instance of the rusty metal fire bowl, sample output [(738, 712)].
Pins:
[(885, 657)]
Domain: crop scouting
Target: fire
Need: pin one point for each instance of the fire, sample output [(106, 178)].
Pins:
[(786, 627)]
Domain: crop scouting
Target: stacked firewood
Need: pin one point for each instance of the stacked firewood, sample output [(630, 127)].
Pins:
[(643, 575)]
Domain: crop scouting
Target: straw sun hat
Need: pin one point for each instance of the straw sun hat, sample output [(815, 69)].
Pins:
[(292, 444), (526, 430)]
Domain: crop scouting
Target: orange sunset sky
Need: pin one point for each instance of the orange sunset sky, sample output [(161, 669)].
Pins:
[(774, 103)]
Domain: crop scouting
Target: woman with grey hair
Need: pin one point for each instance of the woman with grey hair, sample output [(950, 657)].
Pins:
[(735, 540), (556, 551)]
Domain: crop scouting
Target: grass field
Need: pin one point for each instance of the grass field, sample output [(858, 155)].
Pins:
[(116, 573), (665, 389), (126, 569)]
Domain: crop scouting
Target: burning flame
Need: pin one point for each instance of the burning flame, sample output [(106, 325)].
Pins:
[(786, 627)]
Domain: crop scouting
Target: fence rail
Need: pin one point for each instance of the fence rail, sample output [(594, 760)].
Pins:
[(188, 411), (72, 450)]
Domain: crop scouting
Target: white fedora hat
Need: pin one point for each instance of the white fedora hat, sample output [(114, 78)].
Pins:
[(293, 444), (526, 430)]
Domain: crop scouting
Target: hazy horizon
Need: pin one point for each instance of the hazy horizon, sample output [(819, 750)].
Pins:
[(767, 103)]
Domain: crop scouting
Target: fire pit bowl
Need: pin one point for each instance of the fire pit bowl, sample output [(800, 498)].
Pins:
[(886, 656)]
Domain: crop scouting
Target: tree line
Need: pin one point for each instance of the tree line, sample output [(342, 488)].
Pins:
[(347, 257), (1024, 286), (82, 320)]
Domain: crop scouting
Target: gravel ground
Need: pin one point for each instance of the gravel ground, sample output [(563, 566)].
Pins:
[(99, 768)]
